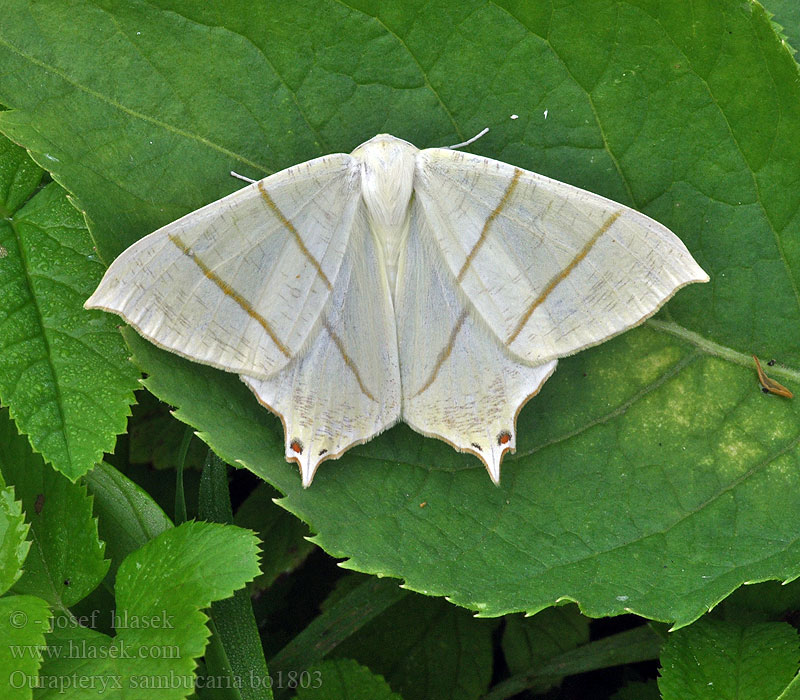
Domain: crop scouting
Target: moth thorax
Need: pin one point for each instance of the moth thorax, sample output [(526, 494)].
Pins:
[(387, 180)]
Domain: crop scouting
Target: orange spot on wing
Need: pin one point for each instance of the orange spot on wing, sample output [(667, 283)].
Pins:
[(296, 446), (504, 438)]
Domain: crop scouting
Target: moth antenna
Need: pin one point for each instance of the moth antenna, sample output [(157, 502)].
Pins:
[(242, 177), (469, 141)]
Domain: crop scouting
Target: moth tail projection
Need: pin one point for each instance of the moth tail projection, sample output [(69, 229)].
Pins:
[(308, 458), (311, 438), (460, 384), (486, 427), (343, 387), (340, 392)]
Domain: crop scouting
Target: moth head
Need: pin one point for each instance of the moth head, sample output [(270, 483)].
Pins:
[(387, 178)]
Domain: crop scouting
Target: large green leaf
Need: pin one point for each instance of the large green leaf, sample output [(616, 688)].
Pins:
[(64, 375), (651, 474), (161, 629), (715, 659), (66, 558)]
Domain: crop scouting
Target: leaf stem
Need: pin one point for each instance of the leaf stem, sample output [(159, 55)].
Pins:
[(711, 348)]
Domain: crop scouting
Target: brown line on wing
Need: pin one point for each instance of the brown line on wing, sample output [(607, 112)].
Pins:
[(445, 353), (229, 291), (487, 224), (561, 276), (347, 360), (290, 227)]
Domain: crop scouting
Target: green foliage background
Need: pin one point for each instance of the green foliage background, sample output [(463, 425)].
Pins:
[(652, 475)]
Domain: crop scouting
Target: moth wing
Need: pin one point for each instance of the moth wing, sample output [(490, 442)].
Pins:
[(551, 268), (343, 388), (240, 283), (459, 383)]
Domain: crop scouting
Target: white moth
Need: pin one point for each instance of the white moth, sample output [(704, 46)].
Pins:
[(431, 286)]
